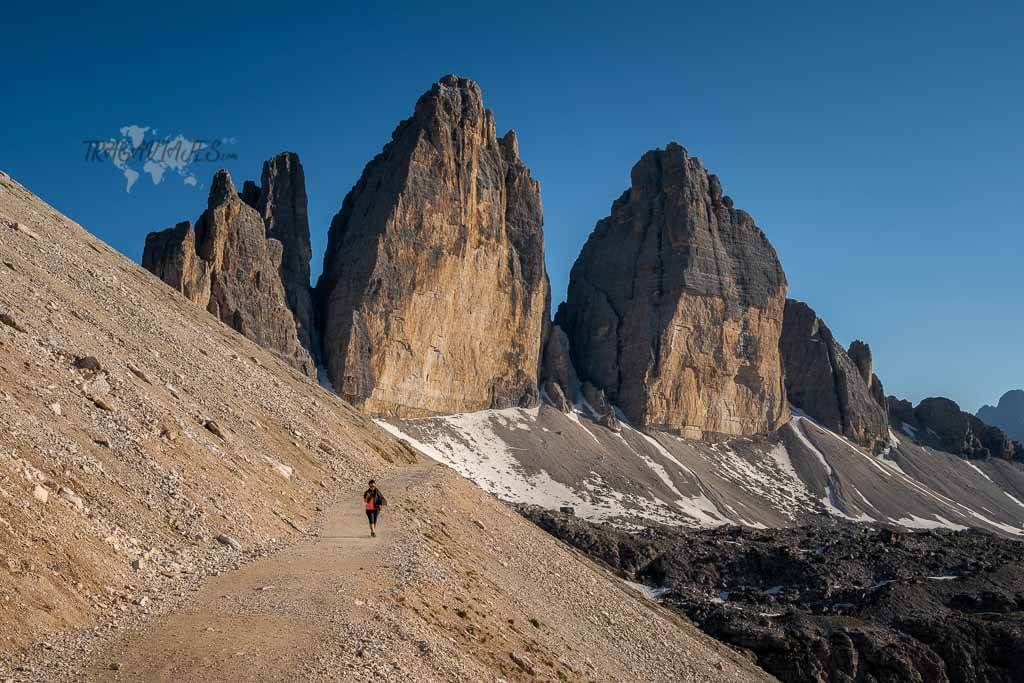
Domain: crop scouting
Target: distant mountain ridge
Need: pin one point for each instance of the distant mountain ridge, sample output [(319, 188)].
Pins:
[(1008, 414)]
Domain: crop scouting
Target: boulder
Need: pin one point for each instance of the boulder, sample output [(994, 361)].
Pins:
[(675, 306), (98, 387), (103, 404), (71, 497), (10, 321), (41, 493), (88, 363), (229, 541), (828, 384), (227, 265), (434, 295), (556, 396), (215, 429), (604, 412)]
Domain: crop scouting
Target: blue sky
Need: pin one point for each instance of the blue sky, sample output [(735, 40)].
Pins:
[(877, 145)]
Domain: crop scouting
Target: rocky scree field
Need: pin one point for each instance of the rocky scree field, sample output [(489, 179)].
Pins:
[(842, 602), (142, 442)]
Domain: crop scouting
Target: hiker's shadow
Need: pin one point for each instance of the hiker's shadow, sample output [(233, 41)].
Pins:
[(360, 536)]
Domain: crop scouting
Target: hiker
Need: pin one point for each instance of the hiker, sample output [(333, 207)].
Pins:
[(374, 502)]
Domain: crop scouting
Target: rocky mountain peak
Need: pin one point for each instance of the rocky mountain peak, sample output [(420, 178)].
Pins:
[(434, 295), (1008, 415), (510, 146), (222, 189), (282, 202), (452, 99), (860, 353), (829, 384), (675, 305), (228, 265)]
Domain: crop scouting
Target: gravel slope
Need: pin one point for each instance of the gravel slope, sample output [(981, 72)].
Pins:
[(799, 474), (438, 595), (145, 447)]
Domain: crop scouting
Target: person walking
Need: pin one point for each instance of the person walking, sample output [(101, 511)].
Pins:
[(374, 501)]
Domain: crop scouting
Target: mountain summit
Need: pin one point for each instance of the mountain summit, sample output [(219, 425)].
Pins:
[(675, 306), (1008, 415), (229, 265), (434, 295)]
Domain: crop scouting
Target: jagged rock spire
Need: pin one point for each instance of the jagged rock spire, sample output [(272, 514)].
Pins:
[(836, 388), (281, 201), (675, 305), (227, 265), (434, 295)]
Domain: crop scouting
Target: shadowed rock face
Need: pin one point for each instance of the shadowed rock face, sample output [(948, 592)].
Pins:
[(434, 296), (938, 422), (172, 256), (860, 353), (557, 374), (281, 201), (829, 385), (1008, 415), (227, 265), (675, 306)]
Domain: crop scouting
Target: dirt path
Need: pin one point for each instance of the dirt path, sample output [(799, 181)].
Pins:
[(456, 587), (282, 618)]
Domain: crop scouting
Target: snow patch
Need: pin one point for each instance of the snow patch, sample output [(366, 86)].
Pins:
[(468, 443), (940, 522), (978, 470), (652, 594), (829, 499)]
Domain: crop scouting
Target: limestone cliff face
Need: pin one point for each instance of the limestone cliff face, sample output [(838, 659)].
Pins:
[(433, 296), (675, 306), (227, 265), (834, 387), (171, 255), (281, 201)]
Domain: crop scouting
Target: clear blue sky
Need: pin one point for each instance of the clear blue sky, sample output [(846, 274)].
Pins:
[(878, 145)]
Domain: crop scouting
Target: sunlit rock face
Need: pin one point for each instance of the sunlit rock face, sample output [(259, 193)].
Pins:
[(675, 306), (434, 295)]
